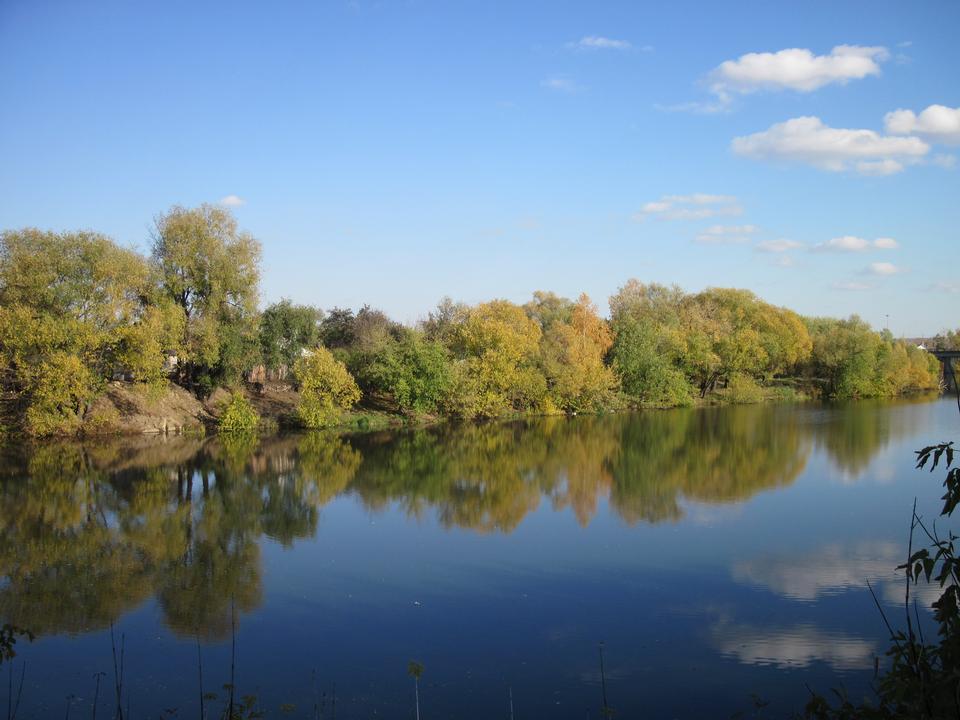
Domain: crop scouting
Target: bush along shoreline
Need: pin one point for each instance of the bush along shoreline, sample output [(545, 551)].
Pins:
[(97, 338)]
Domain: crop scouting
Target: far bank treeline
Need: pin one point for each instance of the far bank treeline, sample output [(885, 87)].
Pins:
[(77, 310)]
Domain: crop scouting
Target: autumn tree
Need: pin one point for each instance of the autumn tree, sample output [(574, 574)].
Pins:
[(724, 337), (947, 340), (497, 345), (573, 357), (69, 303), (326, 388), (852, 360)]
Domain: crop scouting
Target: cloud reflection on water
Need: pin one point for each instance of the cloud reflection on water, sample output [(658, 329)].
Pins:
[(833, 569), (792, 647)]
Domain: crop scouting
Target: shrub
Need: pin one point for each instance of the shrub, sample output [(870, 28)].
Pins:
[(101, 418), (238, 415), (326, 388), (743, 389)]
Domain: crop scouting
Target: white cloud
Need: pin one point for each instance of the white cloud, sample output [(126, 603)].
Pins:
[(945, 161), (560, 84), (698, 206), (727, 234), (850, 285), (232, 201), (947, 286), (701, 199), (807, 140), (778, 246), (795, 69), (656, 207), (847, 243), (879, 168), (937, 123), (882, 268), (784, 261), (597, 42), (852, 243), (700, 108)]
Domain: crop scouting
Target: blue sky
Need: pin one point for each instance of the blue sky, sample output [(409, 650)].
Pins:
[(394, 152)]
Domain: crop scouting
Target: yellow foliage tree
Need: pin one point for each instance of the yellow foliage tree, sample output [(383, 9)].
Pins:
[(326, 388), (497, 374), (574, 359), (66, 301)]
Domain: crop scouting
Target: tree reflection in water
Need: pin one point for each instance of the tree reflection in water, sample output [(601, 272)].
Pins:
[(90, 531)]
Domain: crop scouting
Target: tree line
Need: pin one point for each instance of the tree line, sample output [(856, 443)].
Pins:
[(77, 310)]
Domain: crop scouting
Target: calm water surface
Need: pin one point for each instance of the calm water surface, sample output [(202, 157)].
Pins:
[(717, 553)]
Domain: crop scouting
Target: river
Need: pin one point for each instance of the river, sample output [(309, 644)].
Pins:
[(718, 554)]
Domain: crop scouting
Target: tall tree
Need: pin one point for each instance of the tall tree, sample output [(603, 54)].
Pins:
[(574, 353), (498, 345), (649, 345), (211, 270), (67, 302)]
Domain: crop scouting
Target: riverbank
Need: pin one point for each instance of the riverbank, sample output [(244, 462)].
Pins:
[(130, 409)]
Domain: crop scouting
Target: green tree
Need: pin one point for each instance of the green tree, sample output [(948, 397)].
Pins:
[(373, 330), (414, 373), (211, 270), (285, 331), (443, 323), (946, 340), (649, 345), (337, 328), (731, 332), (845, 356)]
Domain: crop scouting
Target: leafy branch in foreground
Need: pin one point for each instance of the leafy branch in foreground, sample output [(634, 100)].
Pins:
[(8, 640)]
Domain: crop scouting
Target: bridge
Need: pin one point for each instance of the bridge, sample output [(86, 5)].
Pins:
[(948, 360)]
